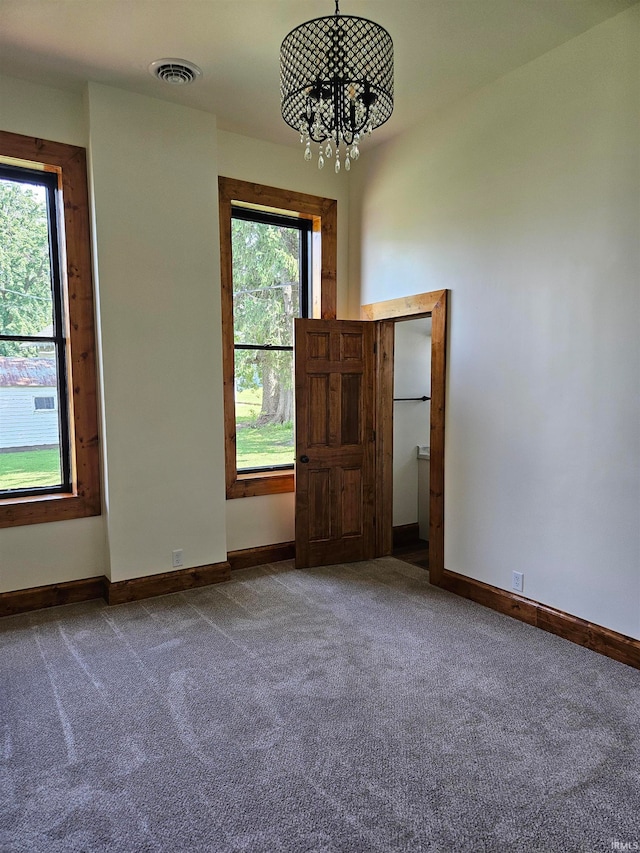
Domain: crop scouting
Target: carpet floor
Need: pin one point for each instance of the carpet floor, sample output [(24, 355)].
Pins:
[(348, 709)]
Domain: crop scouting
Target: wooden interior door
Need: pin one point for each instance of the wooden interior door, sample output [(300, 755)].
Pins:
[(335, 441)]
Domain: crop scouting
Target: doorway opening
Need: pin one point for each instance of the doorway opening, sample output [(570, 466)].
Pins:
[(431, 305), (411, 449)]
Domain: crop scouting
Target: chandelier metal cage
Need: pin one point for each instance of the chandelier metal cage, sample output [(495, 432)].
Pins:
[(336, 84)]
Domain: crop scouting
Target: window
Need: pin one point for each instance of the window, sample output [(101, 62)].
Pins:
[(270, 257), (43, 404), (48, 464), (278, 252), (31, 317)]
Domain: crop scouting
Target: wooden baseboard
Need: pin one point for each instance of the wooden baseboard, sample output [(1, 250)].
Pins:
[(23, 600), (249, 557), (135, 589), (595, 637), (37, 597), (406, 534), (603, 640)]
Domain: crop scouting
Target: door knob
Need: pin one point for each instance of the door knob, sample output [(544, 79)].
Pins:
[(304, 458)]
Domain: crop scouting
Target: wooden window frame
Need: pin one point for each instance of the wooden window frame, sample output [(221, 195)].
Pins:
[(323, 214), (69, 162)]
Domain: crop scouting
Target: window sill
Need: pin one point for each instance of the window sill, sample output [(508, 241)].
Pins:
[(254, 485), (15, 512)]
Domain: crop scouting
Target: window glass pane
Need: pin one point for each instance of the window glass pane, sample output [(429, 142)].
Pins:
[(30, 446), (264, 408), (266, 276), (26, 305)]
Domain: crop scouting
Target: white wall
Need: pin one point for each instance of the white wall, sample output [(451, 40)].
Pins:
[(41, 111), (39, 554), (412, 378), (524, 201), (154, 173), (270, 519)]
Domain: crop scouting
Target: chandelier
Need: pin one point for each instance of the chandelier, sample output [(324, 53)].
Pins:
[(336, 84)]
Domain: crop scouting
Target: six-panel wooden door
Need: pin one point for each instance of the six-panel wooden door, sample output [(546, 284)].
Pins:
[(335, 441)]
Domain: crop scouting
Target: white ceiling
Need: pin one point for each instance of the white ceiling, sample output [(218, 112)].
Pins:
[(444, 49)]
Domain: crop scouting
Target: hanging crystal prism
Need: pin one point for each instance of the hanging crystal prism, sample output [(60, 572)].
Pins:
[(355, 149)]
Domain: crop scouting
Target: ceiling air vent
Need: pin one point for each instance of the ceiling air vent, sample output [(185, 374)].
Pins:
[(176, 72)]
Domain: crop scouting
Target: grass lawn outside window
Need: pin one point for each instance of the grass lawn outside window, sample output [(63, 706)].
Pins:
[(260, 446), (29, 468)]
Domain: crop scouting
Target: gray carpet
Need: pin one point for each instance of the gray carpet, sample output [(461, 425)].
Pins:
[(351, 709)]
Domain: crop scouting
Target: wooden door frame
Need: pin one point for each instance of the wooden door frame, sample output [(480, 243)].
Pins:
[(389, 312)]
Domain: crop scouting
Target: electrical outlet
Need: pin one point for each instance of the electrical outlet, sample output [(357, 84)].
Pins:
[(176, 558), (517, 581)]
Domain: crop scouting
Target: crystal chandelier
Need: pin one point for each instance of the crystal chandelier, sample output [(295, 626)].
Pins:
[(336, 84)]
